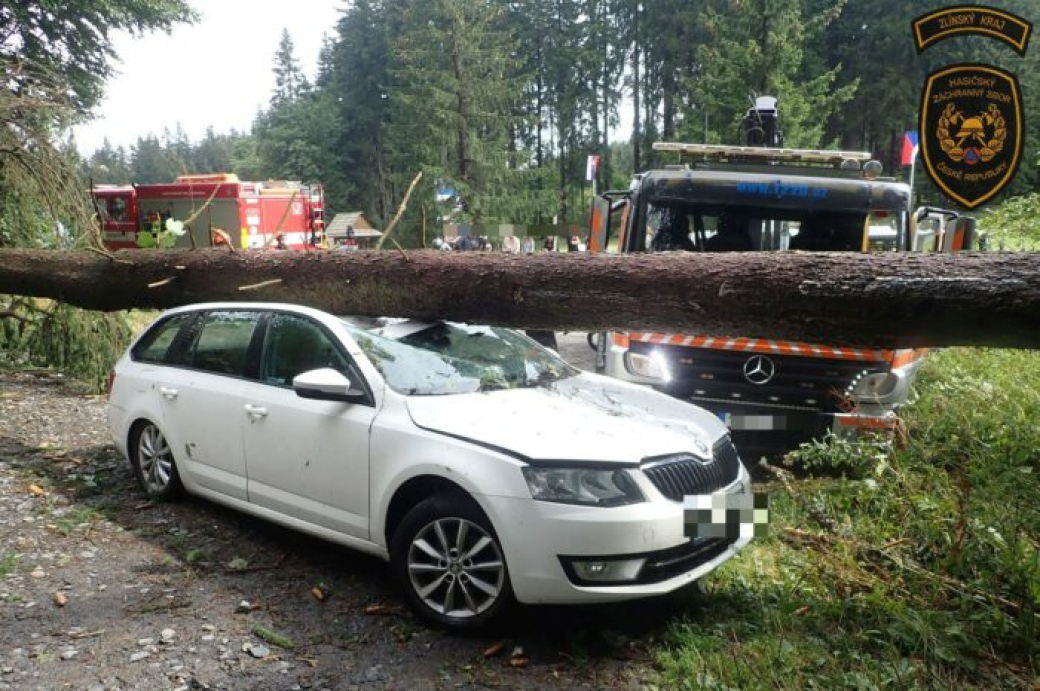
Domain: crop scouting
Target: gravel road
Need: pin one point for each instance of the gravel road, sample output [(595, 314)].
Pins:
[(100, 589)]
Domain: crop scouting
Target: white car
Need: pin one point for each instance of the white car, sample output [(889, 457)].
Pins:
[(481, 465)]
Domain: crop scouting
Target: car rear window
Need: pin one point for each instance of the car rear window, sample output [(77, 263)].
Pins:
[(154, 345)]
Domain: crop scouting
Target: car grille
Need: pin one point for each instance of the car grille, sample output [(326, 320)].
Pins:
[(804, 382), (683, 475)]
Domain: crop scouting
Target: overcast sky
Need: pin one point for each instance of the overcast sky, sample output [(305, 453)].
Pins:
[(216, 72)]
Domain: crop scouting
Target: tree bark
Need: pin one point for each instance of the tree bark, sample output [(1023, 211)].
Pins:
[(883, 300)]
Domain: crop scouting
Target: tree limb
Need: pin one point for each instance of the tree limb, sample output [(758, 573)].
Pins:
[(882, 300)]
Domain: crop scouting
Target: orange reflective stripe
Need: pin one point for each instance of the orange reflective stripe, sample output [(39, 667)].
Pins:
[(905, 357), (898, 358), (869, 422)]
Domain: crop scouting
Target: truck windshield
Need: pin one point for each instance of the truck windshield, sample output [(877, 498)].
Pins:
[(674, 226)]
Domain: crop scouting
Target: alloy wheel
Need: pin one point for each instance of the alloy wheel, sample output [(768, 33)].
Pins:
[(155, 459), (455, 567)]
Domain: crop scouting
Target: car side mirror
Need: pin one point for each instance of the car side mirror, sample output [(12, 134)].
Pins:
[(326, 384)]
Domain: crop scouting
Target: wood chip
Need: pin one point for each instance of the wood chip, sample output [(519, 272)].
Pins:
[(36, 490), (494, 649), (374, 609), (60, 599), (804, 609), (319, 593)]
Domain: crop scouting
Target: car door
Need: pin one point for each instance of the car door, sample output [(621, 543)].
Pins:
[(202, 398), (307, 458)]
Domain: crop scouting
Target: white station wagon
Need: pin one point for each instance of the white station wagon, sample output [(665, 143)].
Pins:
[(482, 466)]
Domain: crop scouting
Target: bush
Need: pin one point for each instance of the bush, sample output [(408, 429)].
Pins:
[(82, 344), (923, 575)]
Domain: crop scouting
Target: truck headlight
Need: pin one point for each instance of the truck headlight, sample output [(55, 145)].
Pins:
[(651, 366), (871, 386), (584, 486)]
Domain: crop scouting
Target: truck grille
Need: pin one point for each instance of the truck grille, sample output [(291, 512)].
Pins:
[(805, 382), (683, 475)]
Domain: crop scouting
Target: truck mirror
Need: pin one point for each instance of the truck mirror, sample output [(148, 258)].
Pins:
[(599, 224)]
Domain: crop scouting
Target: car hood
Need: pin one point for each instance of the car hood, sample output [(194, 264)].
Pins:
[(587, 418)]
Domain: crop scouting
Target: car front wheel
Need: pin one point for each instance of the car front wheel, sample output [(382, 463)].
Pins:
[(153, 462), (450, 564)]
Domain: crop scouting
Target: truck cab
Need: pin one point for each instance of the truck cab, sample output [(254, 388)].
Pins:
[(772, 394)]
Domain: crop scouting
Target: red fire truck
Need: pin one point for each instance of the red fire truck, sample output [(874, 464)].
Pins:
[(249, 213)]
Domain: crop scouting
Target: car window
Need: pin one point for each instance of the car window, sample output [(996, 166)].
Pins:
[(155, 344), (222, 342), (295, 345)]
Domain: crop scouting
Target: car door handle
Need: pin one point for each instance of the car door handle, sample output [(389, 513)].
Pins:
[(255, 411), (168, 393)]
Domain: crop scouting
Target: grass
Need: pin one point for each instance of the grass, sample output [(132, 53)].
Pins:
[(918, 568), (8, 562)]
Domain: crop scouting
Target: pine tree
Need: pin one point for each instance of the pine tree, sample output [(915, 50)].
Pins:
[(454, 101), (290, 83), (758, 47)]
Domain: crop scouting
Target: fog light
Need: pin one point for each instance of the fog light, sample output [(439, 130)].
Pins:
[(608, 570)]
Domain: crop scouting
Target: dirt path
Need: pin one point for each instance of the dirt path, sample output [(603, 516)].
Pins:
[(102, 590)]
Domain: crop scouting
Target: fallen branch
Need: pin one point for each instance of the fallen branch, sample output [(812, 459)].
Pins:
[(400, 211), (401, 250), (262, 284)]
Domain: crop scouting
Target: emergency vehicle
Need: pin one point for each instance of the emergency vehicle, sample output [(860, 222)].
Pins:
[(772, 394), (249, 213)]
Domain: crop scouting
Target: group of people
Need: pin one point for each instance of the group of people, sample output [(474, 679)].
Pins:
[(511, 244)]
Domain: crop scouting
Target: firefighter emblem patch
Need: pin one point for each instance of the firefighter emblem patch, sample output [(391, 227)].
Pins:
[(971, 131)]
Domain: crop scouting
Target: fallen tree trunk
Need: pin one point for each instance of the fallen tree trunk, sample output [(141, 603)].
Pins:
[(881, 300)]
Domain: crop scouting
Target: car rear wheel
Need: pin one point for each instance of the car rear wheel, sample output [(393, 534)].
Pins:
[(154, 464), (450, 564)]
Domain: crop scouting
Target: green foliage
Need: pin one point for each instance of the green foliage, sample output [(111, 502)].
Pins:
[(851, 457), (290, 83), (924, 575), (1014, 225), (82, 344), (742, 55), (74, 38)]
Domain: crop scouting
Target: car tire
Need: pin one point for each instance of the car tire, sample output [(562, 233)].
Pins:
[(153, 462), (448, 561)]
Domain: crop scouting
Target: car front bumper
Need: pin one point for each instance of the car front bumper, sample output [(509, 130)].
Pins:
[(539, 538)]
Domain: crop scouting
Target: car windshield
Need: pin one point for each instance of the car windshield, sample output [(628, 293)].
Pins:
[(421, 359)]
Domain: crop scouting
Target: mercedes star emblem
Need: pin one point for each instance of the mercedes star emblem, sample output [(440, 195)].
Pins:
[(759, 369)]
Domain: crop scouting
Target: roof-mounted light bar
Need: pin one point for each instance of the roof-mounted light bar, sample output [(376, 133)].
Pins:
[(764, 154)]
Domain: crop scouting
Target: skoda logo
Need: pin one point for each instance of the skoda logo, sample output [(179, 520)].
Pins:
[(759, 369)]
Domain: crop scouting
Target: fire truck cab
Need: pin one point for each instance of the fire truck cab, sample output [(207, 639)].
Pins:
[(772, 394)]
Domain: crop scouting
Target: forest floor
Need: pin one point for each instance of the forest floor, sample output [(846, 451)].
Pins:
[(101, 589)]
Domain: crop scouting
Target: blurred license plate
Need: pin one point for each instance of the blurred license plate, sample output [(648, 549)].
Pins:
[(754, 423)]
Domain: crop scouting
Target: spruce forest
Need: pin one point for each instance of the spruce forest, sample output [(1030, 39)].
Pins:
[(503, 101)]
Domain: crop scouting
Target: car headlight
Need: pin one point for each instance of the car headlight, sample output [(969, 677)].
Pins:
[(585, 486)]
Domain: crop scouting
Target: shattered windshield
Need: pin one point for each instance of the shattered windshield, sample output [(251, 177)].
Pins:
[(419, 359)]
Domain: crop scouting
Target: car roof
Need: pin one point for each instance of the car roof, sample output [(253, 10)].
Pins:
[(388, 327)]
